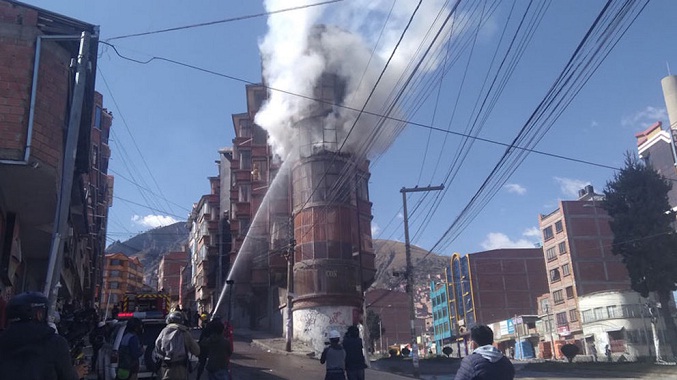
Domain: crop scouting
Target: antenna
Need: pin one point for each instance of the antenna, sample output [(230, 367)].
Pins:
[(667, 64)]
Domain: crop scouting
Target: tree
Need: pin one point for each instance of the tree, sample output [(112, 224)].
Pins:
[(637, 202), (374, 326)]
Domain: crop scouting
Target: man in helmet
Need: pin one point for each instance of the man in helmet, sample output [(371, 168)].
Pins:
[(335, 357), (172, 347), (29, 348)]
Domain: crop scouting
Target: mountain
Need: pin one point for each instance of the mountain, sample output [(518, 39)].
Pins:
[(151, 245), (391, 261)]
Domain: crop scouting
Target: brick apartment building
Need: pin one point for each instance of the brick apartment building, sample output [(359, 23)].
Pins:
[(203, 242), (577, 244), (122, 274), (393, 309), (36, 48), (169, 274), (492, 286)]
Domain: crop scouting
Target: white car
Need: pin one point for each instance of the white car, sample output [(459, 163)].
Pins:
[(107, 361)]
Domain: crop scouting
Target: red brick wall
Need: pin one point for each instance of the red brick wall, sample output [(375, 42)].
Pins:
[(17, 53)]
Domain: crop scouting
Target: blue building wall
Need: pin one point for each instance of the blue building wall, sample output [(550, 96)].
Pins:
[(442, 327)]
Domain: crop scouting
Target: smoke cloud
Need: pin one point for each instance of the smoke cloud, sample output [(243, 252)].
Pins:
[(351, 40)]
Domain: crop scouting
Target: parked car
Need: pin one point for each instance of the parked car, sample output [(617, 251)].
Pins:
[(107, 362)]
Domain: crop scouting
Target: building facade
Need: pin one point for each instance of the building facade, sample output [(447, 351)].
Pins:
[(622, 320), (490, 286), (203, 243), (121, 274), (577, 243), (36, 48), (169, 275), (443, 330)]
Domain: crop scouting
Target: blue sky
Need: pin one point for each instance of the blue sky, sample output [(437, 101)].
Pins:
[(171, 120)]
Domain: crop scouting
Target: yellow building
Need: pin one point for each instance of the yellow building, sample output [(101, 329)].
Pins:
[(121, 274)]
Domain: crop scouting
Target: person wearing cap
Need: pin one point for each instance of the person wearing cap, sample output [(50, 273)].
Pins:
[(29, 348), (486, 362), (335, 357), (96, 338)]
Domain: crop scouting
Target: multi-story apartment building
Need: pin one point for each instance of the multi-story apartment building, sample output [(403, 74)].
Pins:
[(203, 242), (441, 326), (577, 243), (169, 274), (121, 274), (491, 286), (392, 307), (36, 49)]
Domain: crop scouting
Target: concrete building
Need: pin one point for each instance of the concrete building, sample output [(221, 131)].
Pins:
[(203, 243), (577, 243), (491, 286), (656, 148), (36, 82), (121, 274), (393, 309), (169, 275), (442, 328), (622, 320)]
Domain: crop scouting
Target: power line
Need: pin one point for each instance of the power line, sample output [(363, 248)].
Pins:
[(239, 18), (150, 208)]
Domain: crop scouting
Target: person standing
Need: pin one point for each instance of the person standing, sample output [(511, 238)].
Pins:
[(607, 352), (355, 363), (486, 362), (218, 351), (29, 348), (172, 347), (97, 339), (593, 352), (130, 350), (335, 357)]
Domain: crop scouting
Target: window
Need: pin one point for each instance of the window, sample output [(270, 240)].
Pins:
[(97, 117), (244, 194), (115, 262), (95, 156), (599, 313), (114, 285), (587, 316), (446, 327), (245, 128), (114, 273), (566, 270), (554, 275), (573, 315), (260, 136), (550, 253), (246, 159), (558, 226), (259, 171), (547, 233), (561, 318), (244, 226), (557, 296), (570, 292), (562, 247), (613, 311)]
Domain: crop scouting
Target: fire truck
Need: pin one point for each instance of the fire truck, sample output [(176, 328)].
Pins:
[(145, 305)]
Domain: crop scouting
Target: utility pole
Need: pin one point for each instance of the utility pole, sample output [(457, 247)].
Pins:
[(290, 286), (552, 338), (410, 272), (67, 173)]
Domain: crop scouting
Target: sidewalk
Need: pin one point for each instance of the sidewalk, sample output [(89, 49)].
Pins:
[(270, 343)]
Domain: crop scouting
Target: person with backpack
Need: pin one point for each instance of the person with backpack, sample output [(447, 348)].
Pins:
[(172, 347), (355, 362), (29, 348), (130, 351), (217, 350), (335, 357)]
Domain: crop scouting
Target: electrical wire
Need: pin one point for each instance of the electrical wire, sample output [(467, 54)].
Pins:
[(209, 23)]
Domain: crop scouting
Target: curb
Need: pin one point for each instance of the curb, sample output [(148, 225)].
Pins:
[(259, 344)]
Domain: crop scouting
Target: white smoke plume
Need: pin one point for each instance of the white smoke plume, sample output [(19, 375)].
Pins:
[(350, 32)]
